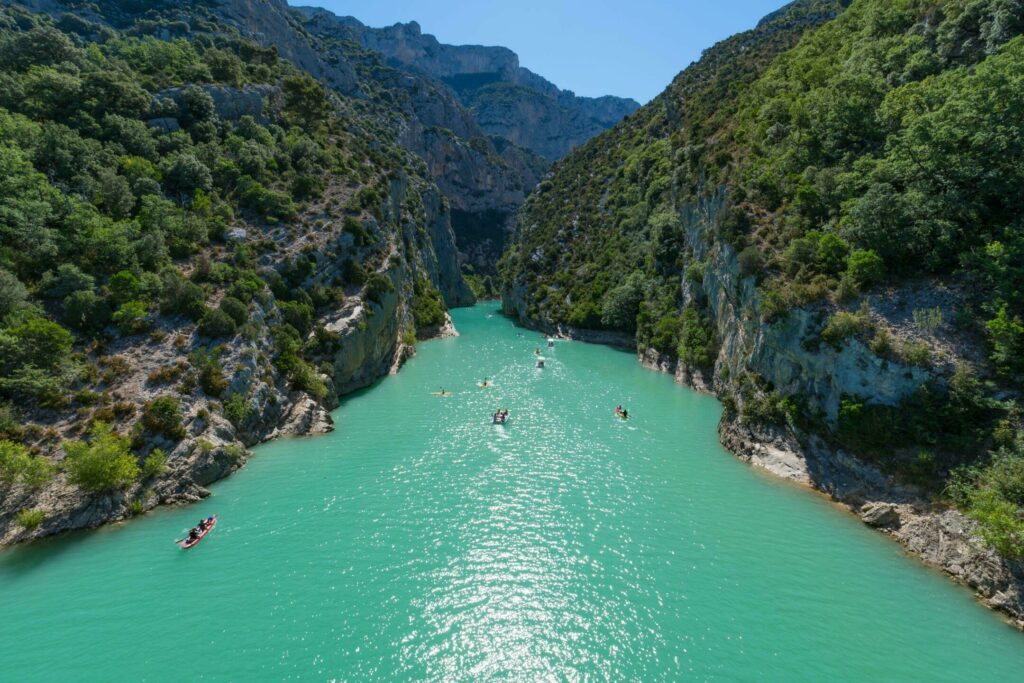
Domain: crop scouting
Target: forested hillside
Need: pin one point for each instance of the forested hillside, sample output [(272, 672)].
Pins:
[(820, 220), (199, 243)]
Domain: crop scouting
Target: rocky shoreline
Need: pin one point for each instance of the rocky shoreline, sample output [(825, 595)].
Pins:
[(939, 536), (212, 450)]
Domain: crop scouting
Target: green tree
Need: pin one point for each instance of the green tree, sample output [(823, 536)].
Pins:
[(13, 294), (132, 317), (305, 100), (622, 304), (186, 175), (102, 463), (1006, 336), (216, 324)]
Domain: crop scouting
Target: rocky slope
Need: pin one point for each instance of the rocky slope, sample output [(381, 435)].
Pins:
[(335, 277), (484, 179), (660, 234), (506, 99)]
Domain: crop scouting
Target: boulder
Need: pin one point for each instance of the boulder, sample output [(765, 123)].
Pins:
[(880, 515), (164, 124)]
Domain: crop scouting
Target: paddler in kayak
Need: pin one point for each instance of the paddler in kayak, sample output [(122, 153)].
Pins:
[(621, 412), (196, 531)]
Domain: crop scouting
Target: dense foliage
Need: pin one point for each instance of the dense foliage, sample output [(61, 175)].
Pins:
[(841, 147), (609, 212), (120, 177), (174, 194)]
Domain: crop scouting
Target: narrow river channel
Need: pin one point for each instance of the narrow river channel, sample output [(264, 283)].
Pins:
[(421, 542)]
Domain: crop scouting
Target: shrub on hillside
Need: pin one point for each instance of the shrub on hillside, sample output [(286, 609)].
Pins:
[(162, 415), (216, 324), (377, 285), (29, 518), (102, 463)]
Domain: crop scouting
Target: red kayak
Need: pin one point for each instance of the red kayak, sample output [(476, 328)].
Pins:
[(186, 544)]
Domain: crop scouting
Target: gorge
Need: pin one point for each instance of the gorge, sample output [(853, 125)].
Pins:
[(222, 220)]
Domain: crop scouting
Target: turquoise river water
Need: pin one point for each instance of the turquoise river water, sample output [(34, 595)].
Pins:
[(421, 542)]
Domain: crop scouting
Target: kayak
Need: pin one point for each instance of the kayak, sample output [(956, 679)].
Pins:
[(186, 544), (622, 415), (500, 420)]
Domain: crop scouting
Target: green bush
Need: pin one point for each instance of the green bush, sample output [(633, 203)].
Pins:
[(85, 311), (124, 286), (162, 415), (179, 296), (103, 463), (211, 375), (18, 466), (216, 324), (843, 325), (305, 378), (155, 464), (355, 228), (865, 268), (297, 314), (750, 262), (377, 285), (267, 203), (235, 309), (427, 307), (696, 340), (928, 320), (1000, 521), (355, 274), (916, 353), (29, 519), (237, 410), (132, 317)]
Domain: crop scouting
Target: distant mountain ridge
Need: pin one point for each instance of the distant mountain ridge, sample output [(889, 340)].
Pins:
[(508, 100)]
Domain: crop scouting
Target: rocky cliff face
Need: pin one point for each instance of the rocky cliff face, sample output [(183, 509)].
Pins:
[(506, 99), (359, 340), (483, 178), (377, 234), (780, 353), (645, 203)]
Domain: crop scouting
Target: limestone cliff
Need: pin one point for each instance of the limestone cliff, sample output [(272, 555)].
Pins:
[(484, 179), (658, 235), (506, 99), (356, 341), (332, 273)]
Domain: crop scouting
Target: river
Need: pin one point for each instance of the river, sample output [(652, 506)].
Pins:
[(421, 542)]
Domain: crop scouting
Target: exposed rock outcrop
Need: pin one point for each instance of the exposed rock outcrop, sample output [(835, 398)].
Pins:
[(506, 99)]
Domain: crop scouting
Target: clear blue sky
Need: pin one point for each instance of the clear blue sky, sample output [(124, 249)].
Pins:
[(631, 48)]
